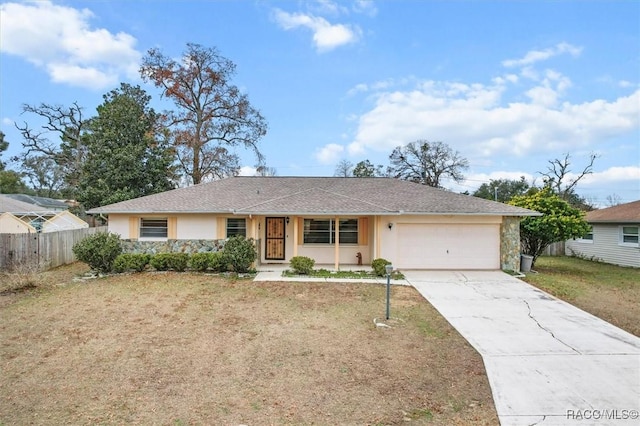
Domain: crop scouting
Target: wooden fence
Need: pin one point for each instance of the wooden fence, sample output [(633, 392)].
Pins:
[(42, 251), (555, 249)]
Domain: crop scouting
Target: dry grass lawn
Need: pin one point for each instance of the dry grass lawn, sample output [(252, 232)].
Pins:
[(197, 349), (606, 291)]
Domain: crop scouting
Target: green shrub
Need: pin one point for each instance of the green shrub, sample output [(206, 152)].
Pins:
[(207, 261), (239, 253), (127, 262), (199, 261), (217, 262), (170, 261), (378, 266), (99, 251), (302, 265)]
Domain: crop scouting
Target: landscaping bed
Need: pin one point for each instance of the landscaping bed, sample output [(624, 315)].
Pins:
[(325, 273)]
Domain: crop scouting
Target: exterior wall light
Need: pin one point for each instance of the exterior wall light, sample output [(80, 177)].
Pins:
[(390, 225), (287, 219)]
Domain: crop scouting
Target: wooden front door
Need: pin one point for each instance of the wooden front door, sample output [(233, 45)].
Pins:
[(275, 237)]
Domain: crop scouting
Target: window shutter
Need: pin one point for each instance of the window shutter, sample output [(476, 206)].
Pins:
[(172, 228), (363, 231), (221, 231), (300, 231), (134, 227)]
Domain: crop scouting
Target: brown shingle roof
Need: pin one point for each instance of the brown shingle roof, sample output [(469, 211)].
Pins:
[(623, 213), (312, 195)]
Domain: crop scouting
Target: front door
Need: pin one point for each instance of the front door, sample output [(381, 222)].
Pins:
[(275, 237)]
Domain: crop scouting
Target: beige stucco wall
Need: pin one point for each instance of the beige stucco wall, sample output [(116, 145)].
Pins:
[(119, 224), (326, 254), (189, 226), (194, 227)]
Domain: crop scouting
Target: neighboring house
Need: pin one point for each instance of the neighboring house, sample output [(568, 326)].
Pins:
[(20, 217), (47, 203), (614, 236), (330, 220)]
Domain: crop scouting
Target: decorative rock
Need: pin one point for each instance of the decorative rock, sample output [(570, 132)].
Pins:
[(172, 246), (510, 244)]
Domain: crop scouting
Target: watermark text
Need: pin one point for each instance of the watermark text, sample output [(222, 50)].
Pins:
[(605, 414)]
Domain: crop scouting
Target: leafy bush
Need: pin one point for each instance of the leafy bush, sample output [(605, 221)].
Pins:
[(239, 253), (207, 261), (99, 251), (302, 265), (216, 262), (378, 266), (170, 261), (135, 262), (199, 261)]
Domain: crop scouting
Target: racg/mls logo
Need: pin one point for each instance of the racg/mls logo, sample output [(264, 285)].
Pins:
[(608, 414)]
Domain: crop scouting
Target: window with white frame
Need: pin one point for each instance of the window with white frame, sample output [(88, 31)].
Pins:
[(588, 237), (236, 226), (323, 231), (153, 228), (629, 235)]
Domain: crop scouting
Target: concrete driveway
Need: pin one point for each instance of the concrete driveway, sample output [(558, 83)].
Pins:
[(548, 362)]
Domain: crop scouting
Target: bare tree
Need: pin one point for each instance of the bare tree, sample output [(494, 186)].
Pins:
[(266, 171), (613, 200), (69, 152), (557, 177), (344, 168), (427, 163), (212, 114)]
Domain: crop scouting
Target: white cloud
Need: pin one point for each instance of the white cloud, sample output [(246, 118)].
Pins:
[(328, 7), (326, 36), (247, 171), (60, 40), (611, 175), (534, 56), (329, 153), (476, 118), (367, 7), (7, 121), (480, 178)]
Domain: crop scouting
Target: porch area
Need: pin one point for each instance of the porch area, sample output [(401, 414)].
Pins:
[(273, 272)]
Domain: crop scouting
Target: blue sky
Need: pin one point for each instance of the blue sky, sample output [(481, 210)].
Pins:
[(510, 85)]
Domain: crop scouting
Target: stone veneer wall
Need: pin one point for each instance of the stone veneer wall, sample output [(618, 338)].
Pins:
[(171, 246), (510, 244)]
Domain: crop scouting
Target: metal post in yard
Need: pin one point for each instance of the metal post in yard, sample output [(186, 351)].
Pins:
[(388, 269)]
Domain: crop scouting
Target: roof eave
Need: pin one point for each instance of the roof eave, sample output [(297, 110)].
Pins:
[(614, 221), (314, 213)]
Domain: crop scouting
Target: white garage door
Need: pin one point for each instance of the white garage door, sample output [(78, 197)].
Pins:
[(447, 246)]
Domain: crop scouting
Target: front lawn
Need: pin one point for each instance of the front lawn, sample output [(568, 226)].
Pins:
[(606, 291), (170, 348)]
